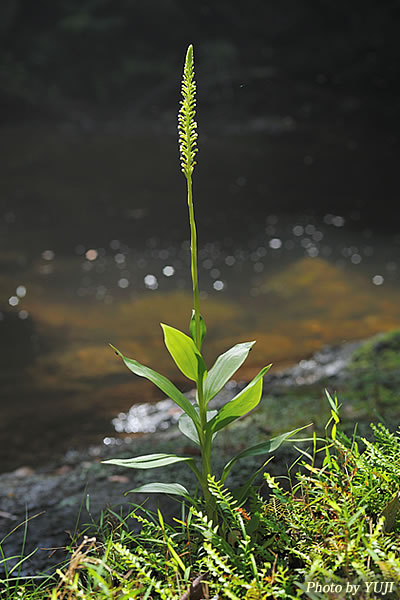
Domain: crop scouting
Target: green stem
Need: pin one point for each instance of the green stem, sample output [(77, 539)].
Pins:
[(204, 436), (205, 445), (193, 253), (204, 441)]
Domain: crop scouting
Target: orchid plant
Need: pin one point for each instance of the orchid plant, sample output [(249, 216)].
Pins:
[(198, 422)]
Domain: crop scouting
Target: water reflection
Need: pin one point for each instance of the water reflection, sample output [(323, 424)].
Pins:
[(292, 307), (278, 293), (292, 281), (148, 418)]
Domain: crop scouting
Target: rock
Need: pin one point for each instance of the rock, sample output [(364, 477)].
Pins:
[(63, 470), (118, 479), (23, 472), (7, 515)]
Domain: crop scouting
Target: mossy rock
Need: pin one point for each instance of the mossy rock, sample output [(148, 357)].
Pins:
[(372, 379), (382, 349)]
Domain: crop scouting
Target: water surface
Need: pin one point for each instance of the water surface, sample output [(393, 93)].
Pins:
[(94, 250)]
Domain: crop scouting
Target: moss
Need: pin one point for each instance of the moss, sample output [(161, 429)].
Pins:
[(372, 378), (382, 350)]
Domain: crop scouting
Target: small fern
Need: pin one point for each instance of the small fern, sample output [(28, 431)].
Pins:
[(225, 500), (134, 561)]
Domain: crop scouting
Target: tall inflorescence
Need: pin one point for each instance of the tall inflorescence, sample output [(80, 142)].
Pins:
[(186, 118)]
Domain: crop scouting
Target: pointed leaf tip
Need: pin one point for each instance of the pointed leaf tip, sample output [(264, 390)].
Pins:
[(266, 447), (224, 367), (117, 352), (161, 382), (184, 352), (242, 403)]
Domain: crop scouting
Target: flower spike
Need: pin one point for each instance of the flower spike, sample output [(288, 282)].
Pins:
[(186, 124)]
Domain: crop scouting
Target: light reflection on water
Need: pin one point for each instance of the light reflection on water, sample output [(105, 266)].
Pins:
[(246, 276), (98, 272), (296, 285), (122, 274), (294, 282)]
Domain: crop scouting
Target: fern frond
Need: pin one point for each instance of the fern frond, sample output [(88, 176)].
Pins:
[(218, 562), (186, 118), (133, 561), (221, 493), (225, 499), (278, 509)]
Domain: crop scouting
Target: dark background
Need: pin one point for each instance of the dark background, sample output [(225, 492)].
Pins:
[(327, 70), (69, 55)]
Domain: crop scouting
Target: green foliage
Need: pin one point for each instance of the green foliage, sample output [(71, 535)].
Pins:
[(13, 585), (198, 423), (334, 514), (163, 488), (162, 383), (150, 461), (328, 527), (241, 404), (192, 328), (184, 352), (225, 366), (188, 429)]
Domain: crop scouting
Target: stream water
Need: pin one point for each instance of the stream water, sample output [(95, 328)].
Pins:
[(94, 250)]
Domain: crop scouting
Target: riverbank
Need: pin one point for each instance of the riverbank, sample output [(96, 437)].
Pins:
[(61, 497)]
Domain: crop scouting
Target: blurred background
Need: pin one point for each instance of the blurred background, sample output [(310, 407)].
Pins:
[(296, 195)]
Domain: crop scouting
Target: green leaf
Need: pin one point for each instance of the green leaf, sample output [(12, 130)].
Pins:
[(162, 488), (334, 405), (192, 328), (188, 428), (331, 402), (252, 526), (240, 494), (262, 448), (164, 384), (224, 367), (334, 416), (184, 352), (241, 404), (148, 461)]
